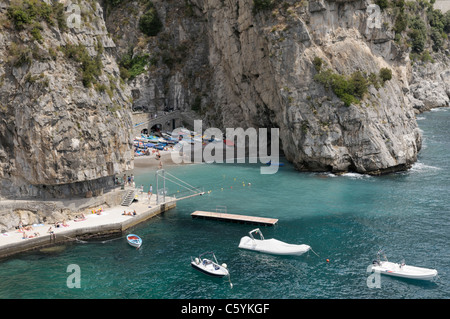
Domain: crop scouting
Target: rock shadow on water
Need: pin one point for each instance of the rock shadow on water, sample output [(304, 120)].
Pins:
[(53, 250)]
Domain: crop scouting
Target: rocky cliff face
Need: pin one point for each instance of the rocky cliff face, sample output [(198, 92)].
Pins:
[(317, 131), (246, 68), (64, 114), (430, 84), (64, 111)]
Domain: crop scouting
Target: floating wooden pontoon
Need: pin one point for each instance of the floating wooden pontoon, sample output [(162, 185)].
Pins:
[(235, 218)]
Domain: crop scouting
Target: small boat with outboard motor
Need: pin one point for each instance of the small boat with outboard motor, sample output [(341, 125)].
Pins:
[(209, 266), (402, 270)]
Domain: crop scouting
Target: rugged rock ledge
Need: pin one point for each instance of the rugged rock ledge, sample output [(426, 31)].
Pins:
[(58, 137), (430, 84), (66, 133), (256, 70)]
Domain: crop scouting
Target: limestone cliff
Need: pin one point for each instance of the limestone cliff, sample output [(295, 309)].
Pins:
[(276, 51), (64, 113), (430, 84), (241, 67), (66, 90)]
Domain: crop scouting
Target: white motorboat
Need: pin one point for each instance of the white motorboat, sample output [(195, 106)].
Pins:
[(386, 267), (271, 246), (209, 266)]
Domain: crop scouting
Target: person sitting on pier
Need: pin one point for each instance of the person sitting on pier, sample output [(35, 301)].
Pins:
[(31, 236), (80, 218)]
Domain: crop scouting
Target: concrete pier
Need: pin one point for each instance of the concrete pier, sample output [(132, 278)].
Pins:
[(111, 222)]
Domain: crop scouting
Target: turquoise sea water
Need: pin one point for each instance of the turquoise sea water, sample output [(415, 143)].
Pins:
[(345, 219)]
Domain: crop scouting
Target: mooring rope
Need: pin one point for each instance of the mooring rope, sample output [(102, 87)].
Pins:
[(93, 242), (108, 240), (229, 280), (314, 252)]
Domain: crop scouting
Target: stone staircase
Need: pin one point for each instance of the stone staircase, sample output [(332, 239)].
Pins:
[(128, 198)]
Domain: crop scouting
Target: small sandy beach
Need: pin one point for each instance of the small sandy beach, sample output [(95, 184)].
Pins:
[(166, 159)]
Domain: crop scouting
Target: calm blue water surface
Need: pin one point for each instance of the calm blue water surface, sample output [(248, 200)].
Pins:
[(345, 219)]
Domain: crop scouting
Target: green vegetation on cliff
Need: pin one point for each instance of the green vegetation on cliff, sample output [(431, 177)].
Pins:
[(149, 23), (131, 66), (349, 88), (261, 5), (91, 67), (28, 14), (417, 25), (385, 74)]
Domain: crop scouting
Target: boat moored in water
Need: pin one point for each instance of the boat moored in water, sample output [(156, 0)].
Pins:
[(134, 240), (402, 270), (271, 246), (208, 266)]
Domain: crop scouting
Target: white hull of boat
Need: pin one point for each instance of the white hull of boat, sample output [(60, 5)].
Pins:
[(209, 267), (273, 246), (404, 271)]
